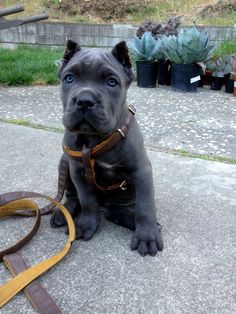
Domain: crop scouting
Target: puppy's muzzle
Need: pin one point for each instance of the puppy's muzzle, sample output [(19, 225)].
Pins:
[(85, 102)]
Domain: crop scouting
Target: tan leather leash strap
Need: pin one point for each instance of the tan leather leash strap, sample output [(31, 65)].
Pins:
[(8, 208), (37, 295), (13, 202), (31, 207)]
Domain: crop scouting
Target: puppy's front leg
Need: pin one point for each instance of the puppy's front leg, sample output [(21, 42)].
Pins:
[(87, 222), (147, 236)]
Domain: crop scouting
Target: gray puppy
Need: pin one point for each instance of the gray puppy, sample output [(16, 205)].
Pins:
[(94, 86)]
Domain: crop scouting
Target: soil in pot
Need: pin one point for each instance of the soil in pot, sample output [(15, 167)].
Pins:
[(185, 77), (217, 82), (164, 72), (146, 74)]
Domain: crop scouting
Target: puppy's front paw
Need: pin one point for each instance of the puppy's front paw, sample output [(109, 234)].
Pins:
[(86, 224), (147, 239), (57, 219)]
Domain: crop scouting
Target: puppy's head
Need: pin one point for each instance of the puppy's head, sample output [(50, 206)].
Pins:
[(94, 84)]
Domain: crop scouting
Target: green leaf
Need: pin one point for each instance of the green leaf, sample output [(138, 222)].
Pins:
[(189, 46), (145, 48)]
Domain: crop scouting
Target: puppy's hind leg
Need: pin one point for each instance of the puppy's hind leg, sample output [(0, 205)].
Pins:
[(121, 215), (71, 203)]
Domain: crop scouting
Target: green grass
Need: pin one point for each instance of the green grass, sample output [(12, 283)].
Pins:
[(27, 65), (185, 153), (32, 125), (226, 19), (225, 48), (180, 152), (157, 10)]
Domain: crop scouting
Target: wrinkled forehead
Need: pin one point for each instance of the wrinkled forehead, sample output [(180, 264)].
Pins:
[(93, 59)]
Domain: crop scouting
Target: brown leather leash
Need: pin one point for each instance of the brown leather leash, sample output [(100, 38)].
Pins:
[(17, 203), (88, 155)]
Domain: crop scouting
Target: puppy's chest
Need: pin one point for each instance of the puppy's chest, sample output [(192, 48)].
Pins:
[(105, 169)]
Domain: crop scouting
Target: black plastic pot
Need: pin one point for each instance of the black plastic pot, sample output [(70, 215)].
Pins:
[(200, 83), (217, 82), (229, 86), (164, 72), (185, 77), (146, 74), (207, 77)]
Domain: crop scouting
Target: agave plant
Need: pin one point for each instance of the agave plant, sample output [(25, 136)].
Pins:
[(145, 48), (220, 66), (190, 46)]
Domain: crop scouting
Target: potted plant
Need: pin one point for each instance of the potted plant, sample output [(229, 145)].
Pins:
[(219, 67), (164, 70), (144, 50), (169, 27), (186, 51), (230, 78)]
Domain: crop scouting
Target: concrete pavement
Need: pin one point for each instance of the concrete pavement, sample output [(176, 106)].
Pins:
[(201, 123), (196, 205)]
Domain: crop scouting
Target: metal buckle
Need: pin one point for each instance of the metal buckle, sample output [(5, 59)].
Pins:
[(121, 133), (133, 110), (123, 185)]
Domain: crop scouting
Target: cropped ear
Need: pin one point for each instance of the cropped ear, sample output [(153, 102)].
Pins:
[(71, 48), (121, 53)]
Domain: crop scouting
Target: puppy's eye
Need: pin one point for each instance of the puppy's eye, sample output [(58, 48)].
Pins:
[(69, 79), (112, 82)]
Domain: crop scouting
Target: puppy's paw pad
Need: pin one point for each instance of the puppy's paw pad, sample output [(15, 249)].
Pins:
[(152, 248), (147, 239), (142, 248)]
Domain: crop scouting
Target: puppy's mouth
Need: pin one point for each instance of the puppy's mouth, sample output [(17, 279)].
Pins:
[(94, 121), (84, 127)]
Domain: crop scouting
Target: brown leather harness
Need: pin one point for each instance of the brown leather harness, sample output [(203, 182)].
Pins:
[(88, 155)]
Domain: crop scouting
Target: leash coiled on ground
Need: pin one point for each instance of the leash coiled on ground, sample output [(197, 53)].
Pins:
[(20, 203)]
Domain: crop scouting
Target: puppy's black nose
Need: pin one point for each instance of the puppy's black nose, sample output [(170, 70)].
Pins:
[(85, 102)]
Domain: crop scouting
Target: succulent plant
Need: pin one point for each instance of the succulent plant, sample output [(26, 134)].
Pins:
[(220, 66), (189, 46), (145, 48)]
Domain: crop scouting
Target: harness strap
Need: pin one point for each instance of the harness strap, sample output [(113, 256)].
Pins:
[(90, 173), (88, 155), (88, 165)]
